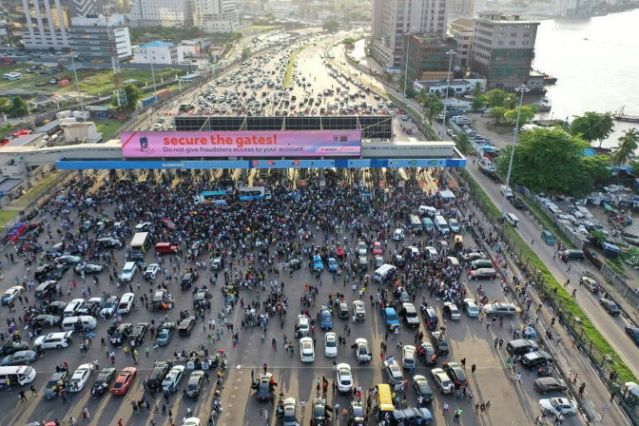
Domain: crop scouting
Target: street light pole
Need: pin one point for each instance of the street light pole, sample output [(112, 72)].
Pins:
[(450, 53), (77, 84), (155, 89), (522, 89), (406, 65)]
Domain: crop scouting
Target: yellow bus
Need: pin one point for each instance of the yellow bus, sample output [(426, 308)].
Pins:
[(384, 399)]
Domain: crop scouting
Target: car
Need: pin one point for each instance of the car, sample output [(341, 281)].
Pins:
[(377, 248), (42, 272), (12, 347), (517, 203), (319, 415), (123, 381), (500, 309), (137, 334), (398, 234), (151, 271), (303, 327), (422, 389), (105, 377), (470, 306), (454, 226), (333, 265), (128, 272), (318, 263), (409, 313), (289, 412), (91, 307), (633, 332), (360, 348), (456, 373), (55, 383), (20, 357), (394, 374), (442, 380), (506, 191), (189, 277), (361, 249), (557, 406), (430, 317), (550, 384), (80, 377), (11, 295), (357, 414), (483, 274), (451, 311), (326, 320), (572, 254), (45, 320), (193, 386), (409, 357), (473, 255), (330, 345), (535, 359), (307, 352), (412, 416), (359, 310), (109, 307), (172, 380), (45, 289), (53, 340), (440, 343), (164, 333), (512, 219), (185, 327), (202, 298), (157, 375), (68, 259), (344, 377), (611, 307), (264, 387), (88, 268), (590, 284), (121, 334)]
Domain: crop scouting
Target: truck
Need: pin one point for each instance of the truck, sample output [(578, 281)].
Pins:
[(138, 246)]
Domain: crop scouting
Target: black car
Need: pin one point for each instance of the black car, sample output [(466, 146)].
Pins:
[(550, 384), (201, 298), (45, 320), (106, 376), (88, 268), (137, 334), (535, 359), (188, 278), (13, 347), (633, 332), (121, 334), (456, 373), (159, 372), (611, 307), (185, 327), (42, 272), (264, 387), (194, 385), (422, 389), (58, 272), (55, 308), (91, 307), (45, 289), (320, 412), (517, 203)]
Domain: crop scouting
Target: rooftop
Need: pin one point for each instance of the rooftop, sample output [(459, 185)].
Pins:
[(157, 43)]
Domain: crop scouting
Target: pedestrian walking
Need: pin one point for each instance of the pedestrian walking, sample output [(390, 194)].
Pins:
[(487, 406), (473, 368)]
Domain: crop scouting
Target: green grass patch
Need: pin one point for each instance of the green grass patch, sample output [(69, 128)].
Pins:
[(108, 128), (616, 265), (6, 215), (290, 67), (591, 336), (36, 191)]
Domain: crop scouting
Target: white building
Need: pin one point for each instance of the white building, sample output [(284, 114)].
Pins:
[(463, 31), (394, 19), (216, 16), (165, 13), (156, 52), (283, 8), (438, 87), (45, 26)]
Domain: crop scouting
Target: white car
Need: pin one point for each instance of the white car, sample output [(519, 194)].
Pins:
[(432, 251), (398, 234), (127, 301), (191, 421), (360, 310), (109, 307), (506, 191), (511, 218), (80, 377), (344, 377), (452, 311), (454, 225), (128, 272), (471, 308), (53, 340), (172, 380), (330, 345), (11, 294), (151, 271), (307, 352), (361, 248), (443, 381), (557, 406), (409, 360), (303, 328)]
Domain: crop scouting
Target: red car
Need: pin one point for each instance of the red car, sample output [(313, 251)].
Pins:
[(124, 380), (339, 252), (377, 248)]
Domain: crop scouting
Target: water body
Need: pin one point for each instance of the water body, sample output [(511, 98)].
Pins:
[(596, 62)]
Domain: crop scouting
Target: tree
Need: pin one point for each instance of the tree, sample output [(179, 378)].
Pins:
[(5, 105), (18, 107), (593, 126), (479, 103), (133, 95), (500, 98), (246, 52), (628, 143), (349, 43), (431, 105), (498, 113), (597, 167), (526, 115), (331, 26), (548, 160)]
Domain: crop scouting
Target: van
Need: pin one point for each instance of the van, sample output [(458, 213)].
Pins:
[(384, 273), (127, 301), (16, 375), (71, 309), (81, 323), (428, 224), (415, 223), (165, 248), (521, 346), (427, 210), (441, 225)]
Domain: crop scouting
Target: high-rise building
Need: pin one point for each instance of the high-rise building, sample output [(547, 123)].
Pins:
[(503, 49), (45, 27), (460, 9), (427, 57), (462, 29), (165, 13), (99, 38), (214, 16), (81, 7), (394, 19)]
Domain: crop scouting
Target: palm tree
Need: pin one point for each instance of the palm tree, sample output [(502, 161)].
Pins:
[(628, 143)]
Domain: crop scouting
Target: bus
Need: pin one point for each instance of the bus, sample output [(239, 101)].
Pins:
[(138, 246), (217, 197), (384, 400), (246, 193), (16, 375)]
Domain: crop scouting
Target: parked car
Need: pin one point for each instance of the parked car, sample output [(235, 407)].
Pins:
[(633, 332), (307, 351), (164, 334), (157, 375), (196, 379), (330, 345), (456, 373), (611, 307), (20, 358), (11, 295), (501, 309), (394, 374), (535, 359), (422, 389), (106, 376), (172, 380), (550, 384), (80, 377), (590, 284), (53, 340), (344, 377), (362, 354), (470, 306), (123, 381), (451, 311), (442, 380), (557, 406)]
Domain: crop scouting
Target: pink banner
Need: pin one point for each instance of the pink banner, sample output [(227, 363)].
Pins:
[(292, 143)]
